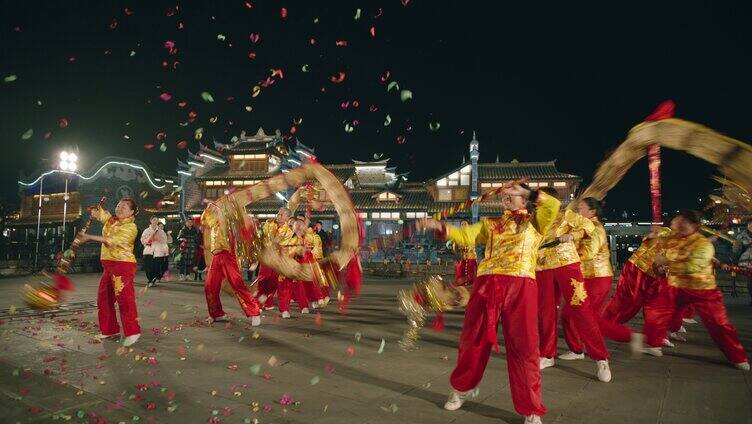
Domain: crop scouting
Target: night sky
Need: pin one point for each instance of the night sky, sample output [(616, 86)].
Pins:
[(536, 82)]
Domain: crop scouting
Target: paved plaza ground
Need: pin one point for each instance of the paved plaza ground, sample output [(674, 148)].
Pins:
[(327, 368)]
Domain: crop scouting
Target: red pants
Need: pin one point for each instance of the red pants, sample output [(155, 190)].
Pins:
[(312, 291), (551, 284), (116, 285), (708, 304), (225, 265), (634, 289), (267, 281), (464, 271), (513, 301), (597, 289), (291, 289), (609, 329)]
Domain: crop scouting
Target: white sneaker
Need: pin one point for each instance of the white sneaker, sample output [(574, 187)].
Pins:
[(326, 300), (744, 366), (635, 344), (314, 304), (571, 356), (682, 329), (105, 336), (130, 340), (546, 362), (653, 351), (677, 337), (322, 303), (689, 320), (455, 401), (533, 419), (667, 343), (268, 308), (603, 371), (286, 314), (256, 321), (304, 311)]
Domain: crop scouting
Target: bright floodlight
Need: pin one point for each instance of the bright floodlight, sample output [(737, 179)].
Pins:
[(68, 161)]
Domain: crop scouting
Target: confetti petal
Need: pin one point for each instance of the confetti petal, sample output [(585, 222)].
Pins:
[(337, 78), (207, 97), (315, 380), (28, 134), (10, 78), (406, 95), (381, 347)]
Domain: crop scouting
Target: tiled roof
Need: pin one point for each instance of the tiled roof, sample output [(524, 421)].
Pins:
[(342, 172), (513, 170)]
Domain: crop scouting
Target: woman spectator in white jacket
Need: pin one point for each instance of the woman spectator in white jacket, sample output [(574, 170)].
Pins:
[(154, 240), (162, 251)]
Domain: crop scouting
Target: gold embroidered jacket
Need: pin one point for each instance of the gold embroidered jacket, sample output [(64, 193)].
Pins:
[(643, 257), (511, 240), (690, 262), (216, 233), (595, 253), (273, 230), (567, 222), (120, 235)]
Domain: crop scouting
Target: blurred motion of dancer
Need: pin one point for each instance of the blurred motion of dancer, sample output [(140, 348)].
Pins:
[(686, 256)]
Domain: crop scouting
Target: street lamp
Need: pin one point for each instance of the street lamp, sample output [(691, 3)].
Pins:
[(68, 164)]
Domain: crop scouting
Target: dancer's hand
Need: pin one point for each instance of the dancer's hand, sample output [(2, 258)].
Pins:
[(516, 190)]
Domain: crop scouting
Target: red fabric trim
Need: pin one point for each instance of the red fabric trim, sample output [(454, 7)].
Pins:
[(665, 110)]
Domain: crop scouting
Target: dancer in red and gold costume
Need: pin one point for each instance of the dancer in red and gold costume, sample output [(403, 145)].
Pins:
[(504, 291), (267, 280), (558, 274), (116, 285), (595, 256), (289, 289), (314, 292), (686, 257), (638, 281), (467, 264), (218, 240)]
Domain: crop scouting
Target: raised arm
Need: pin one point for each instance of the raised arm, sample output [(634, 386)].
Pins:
[(467, 236), (545, 212)]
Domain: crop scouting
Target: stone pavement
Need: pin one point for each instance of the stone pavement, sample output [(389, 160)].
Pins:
[(330, 368)]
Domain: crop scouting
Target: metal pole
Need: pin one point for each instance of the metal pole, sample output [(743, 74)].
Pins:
[(65, 212), (39, 222)]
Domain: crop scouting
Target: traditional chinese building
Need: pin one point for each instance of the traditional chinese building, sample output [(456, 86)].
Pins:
[(386, 201)]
